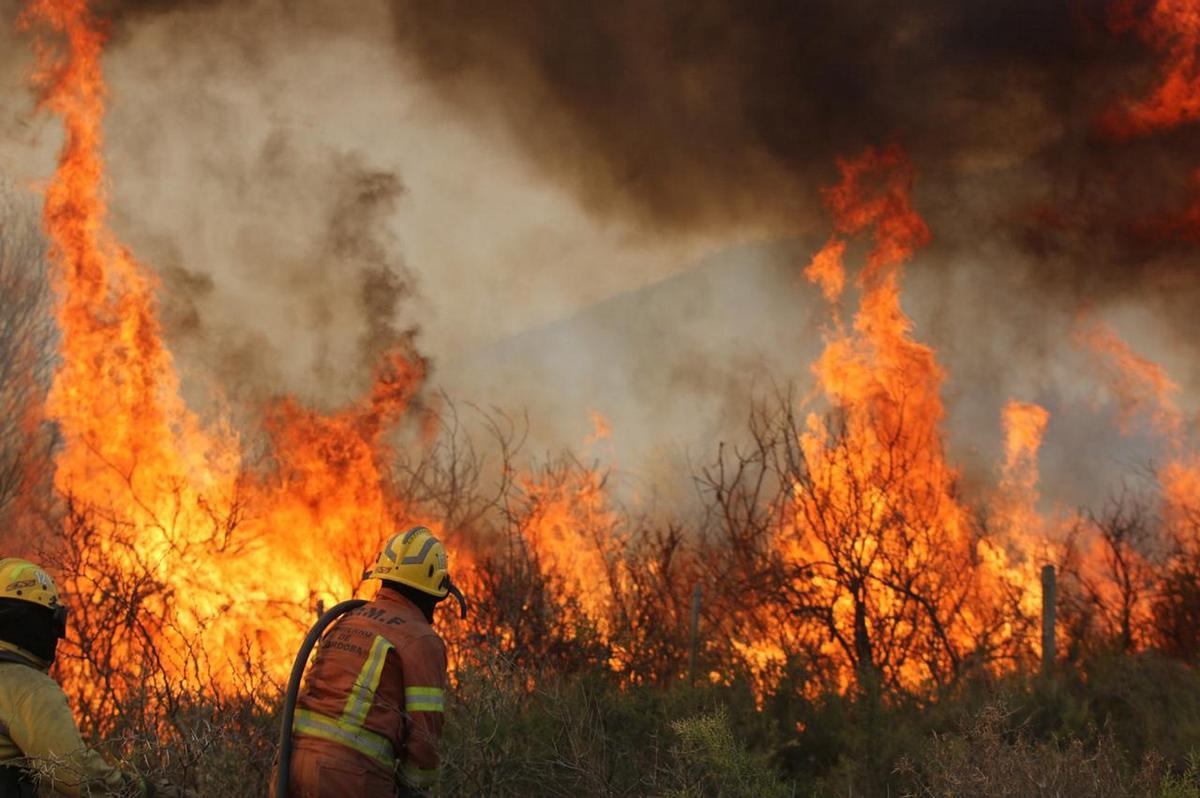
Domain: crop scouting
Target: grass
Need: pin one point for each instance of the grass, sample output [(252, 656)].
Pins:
[(1120, 726)]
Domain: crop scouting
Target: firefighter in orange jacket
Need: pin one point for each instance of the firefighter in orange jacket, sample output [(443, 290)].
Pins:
[(369, 717)]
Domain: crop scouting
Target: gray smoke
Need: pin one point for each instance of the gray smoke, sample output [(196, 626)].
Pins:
[(609, 204)]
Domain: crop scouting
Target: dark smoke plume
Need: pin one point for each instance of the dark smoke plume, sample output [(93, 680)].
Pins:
[(721, 112), (700, 115), (727, 114), (358, 239)]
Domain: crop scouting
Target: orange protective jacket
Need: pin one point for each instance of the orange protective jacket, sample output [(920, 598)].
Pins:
[(370, 713)]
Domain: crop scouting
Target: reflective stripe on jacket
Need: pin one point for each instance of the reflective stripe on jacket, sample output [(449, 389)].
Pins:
[(37, 728), (376, 687)]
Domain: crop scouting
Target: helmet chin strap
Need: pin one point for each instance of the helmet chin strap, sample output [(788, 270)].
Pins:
[(462, 601)]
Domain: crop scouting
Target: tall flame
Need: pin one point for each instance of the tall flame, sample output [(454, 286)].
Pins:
[(223, 562), (1024, 426), (874, 528), (1172, 30), (216, 561), (1139, 384)]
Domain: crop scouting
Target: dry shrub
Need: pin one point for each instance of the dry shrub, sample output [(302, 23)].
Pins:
[(588, 736), (993, 756)]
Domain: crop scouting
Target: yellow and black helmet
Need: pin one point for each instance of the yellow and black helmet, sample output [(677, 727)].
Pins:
[(24, 581), (414, 558), (418, 559), (21, 580)]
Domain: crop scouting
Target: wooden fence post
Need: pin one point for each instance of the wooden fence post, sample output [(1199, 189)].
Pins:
[(1048, 620), (696, 594)]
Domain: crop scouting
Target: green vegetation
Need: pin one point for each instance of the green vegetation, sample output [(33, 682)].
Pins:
[(1123, 725)]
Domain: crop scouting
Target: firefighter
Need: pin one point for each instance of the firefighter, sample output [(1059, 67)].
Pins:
[(38, 736), (369, 716)]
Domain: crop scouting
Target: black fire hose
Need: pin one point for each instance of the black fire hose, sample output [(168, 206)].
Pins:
[(293, 690)]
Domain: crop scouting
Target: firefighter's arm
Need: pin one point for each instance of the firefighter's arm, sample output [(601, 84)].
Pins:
[(424, 704), (45, 731)]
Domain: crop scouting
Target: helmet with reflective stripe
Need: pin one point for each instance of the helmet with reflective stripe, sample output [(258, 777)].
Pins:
[(24, 581), (414, 558)]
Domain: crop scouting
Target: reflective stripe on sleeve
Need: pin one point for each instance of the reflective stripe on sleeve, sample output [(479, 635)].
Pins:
[(362, 694), (424, 699), (419, 777), (366, 742)]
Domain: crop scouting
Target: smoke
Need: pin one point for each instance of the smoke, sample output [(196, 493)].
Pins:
[(319, 312), (725, 116), (728, 114), (358, 236), (317, 180), (725, 113), (281, 268), (119, 15)]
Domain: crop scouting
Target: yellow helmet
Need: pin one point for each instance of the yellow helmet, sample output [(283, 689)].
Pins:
[(24, 581), (414, 558)]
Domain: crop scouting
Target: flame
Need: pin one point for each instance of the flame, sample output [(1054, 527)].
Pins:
[(1172, 29), (1024, 425), (601, 430), (221, 560), (1139, 384), (874, 529), (221, 564), (574, 535), (1025, 538), (1142, 387)]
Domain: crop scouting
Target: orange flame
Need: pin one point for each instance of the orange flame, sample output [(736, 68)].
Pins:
[(874, 528), (237, 559), (1144, 387), (601, 430), (880, 545), (573, 531), (1024, 426), (1139, 384), (1172, 28)]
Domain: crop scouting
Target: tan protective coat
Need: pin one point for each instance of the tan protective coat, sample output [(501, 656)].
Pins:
[(36, 724)]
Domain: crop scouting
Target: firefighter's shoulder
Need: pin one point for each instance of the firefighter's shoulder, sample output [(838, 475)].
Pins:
[(29, 696), (20, 683), (421, 642)]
